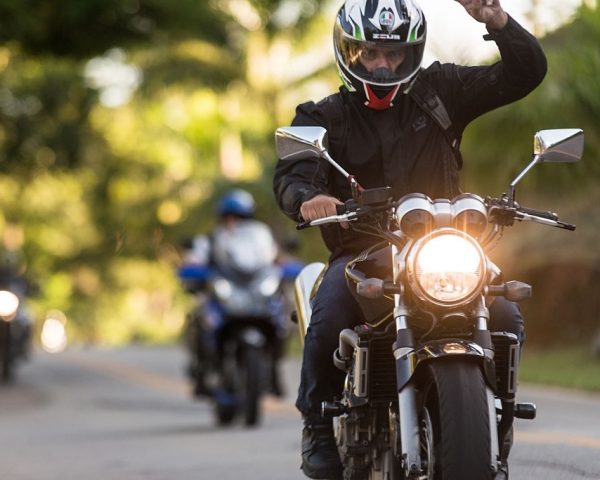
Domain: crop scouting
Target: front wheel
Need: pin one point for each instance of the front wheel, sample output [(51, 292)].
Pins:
[(252, 368), (6, 357), (455, 422)]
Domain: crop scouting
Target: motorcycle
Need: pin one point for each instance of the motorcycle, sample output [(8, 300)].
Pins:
[(236, 332), (15, 330), (430, 390)]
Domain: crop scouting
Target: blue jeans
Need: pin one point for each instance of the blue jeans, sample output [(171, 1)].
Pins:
[(334, 309)]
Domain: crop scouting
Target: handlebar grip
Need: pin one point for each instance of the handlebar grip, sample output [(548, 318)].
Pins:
[(567, 226), (539, 213)]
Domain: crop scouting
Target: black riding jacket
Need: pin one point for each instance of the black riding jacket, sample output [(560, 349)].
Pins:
[(402, 147)]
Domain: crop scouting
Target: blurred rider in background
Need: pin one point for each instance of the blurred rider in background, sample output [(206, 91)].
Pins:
[(238, 247)]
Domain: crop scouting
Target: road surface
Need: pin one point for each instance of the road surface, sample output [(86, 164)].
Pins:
[(126, 414)]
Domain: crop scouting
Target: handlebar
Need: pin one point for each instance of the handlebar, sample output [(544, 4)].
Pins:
[(500, 213), (504, 215), (538, 213), (544, 220)]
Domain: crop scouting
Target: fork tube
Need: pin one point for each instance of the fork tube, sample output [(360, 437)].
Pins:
[(483, 338), (407, 399), (482, 334)]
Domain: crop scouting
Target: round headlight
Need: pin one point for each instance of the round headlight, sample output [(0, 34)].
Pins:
[(223, 288), (268, 286), (9, 303), (446, 268)]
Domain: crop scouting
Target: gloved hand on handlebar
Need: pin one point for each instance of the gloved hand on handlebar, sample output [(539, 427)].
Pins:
[(321, 206)]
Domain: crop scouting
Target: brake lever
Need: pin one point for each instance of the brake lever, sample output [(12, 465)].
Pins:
[(347, 217), (545, 221)]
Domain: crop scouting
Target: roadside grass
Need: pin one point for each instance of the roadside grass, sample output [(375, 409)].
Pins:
[(568, 367)]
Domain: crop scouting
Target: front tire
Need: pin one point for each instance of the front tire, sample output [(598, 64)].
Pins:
[(456, 402), (6, 357), (252, 370)]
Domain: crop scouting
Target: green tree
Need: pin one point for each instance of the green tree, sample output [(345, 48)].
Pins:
[(96, 193)]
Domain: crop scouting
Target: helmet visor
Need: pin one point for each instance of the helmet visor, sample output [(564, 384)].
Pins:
[(378, 63)]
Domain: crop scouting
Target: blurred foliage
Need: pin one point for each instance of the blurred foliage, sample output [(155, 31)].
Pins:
[(561, 266), (566, 99), (121, 122), (117, 122), (75, 29)]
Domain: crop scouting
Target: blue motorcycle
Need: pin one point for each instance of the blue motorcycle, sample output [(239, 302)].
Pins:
[(235, 334)]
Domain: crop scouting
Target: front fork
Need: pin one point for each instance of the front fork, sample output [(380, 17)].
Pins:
[(407, 361)]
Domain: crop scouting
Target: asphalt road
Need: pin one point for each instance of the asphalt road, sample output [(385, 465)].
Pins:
[(127, 414)]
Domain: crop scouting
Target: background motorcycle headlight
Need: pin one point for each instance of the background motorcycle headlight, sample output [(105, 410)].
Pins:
[(223, 288), (9, 303), (448, 268), (269, 285)]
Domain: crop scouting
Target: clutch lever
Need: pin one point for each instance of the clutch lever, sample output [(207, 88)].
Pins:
[(346, 217)]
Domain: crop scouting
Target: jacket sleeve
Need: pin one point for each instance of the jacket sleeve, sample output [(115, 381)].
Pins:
[(296, 181), (521, 69)]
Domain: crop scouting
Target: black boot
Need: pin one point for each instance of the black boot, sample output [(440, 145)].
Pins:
[(197, 373), (277, 388), (200, 387), (502, 471), (320, 457)]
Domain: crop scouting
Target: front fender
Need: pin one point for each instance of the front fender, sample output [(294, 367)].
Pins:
[(408, 363), (305, 286)]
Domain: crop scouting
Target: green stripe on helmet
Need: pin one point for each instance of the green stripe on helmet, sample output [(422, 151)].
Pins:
[(412, 36), (357, 31)]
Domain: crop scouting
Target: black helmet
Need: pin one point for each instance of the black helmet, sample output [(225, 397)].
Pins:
[(388, 34)]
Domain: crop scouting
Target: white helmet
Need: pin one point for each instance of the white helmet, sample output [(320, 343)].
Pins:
[(394, 29)]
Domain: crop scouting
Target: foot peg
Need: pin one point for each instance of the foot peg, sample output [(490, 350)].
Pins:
[(526, 411), (332, 409)]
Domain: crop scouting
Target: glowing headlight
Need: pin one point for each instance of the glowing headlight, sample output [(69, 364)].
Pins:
[(9, 303), (223, 288), (447, 268), (269, 285)]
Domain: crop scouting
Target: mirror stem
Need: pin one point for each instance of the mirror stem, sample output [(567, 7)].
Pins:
[(511, 187), (355, 187)]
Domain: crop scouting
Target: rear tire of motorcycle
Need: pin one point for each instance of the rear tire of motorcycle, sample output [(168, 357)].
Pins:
[(457, 403), (252, 363)]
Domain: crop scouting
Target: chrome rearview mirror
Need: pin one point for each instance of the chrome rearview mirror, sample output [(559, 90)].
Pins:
[(299, 142), (558, 145)]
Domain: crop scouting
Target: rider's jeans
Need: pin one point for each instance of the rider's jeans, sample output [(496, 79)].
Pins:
[(334, 308)]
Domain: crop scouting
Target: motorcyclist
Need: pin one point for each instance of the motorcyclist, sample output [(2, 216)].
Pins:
[(19, 328), (380, 132), (206, 253)]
